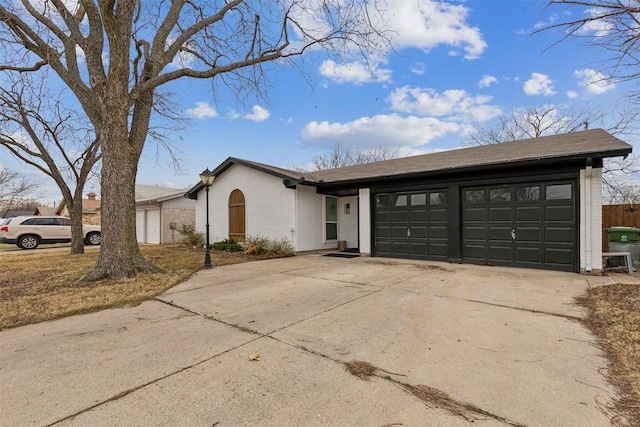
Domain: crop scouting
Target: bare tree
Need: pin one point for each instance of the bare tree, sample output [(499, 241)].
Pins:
[(37, 129), (340, 157), (549, 119), (130, 49), (15, 191), (609, 24)]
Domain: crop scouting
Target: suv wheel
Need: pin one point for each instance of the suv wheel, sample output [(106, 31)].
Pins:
[(93, 238), (28, 242)]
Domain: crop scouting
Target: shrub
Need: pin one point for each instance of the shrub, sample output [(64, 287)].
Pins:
[(190, 236), (259, 245), (228, 245)]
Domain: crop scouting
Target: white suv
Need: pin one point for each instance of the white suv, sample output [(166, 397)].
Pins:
[(27, 232)]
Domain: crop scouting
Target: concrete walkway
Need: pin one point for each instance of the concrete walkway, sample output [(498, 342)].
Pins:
[(505, 341)]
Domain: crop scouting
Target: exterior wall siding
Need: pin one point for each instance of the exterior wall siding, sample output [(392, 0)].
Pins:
[(270, 206), (348, 222), (309, 230), (590, 220)]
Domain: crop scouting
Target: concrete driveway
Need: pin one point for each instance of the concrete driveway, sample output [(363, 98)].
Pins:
[(504, 341)]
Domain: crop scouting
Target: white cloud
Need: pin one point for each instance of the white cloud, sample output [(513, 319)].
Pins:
[(598, 27), (455, 104), (593, 81), (572, 94), (202, 111), (258, 114), (539, 84), (487, 81), (419, 68), (427, 24), (393, 131), (354, 72)]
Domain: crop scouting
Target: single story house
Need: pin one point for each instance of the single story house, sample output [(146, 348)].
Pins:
[(90, 209), (160, 212), (533, 203)]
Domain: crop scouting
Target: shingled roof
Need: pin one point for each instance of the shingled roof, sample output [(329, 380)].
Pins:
[(595, 143), (591, 143)]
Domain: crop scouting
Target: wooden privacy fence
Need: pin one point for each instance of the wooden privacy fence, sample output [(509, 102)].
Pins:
[(618, 215)]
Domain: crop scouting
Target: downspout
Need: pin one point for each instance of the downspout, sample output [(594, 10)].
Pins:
[(588, 173)]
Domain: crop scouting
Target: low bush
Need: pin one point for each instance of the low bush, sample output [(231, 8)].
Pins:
[(260, 245), (190, 236), (228, 245)]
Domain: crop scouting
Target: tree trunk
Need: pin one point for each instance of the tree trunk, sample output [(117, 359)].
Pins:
[(120, 255), (75, 214)]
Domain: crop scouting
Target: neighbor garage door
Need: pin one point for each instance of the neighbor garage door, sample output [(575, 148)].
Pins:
[(411, 225), (148, 225), (524, 225)]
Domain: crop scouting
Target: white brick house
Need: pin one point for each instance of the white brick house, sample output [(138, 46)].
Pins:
[(531, 203)]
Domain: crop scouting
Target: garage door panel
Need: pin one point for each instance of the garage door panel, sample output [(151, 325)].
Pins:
[(558, 213), (400, 248), (475, 233), (439, 250), (529, 255), (529, 234), (418, 248), (475, 214), (418, 232), (438, 232), (383, 247), (475, 251), (438, 215), (528, 213), (500, 234), (559, 235), (500, 214), (418, 217), (399, 232), (383, 217), (559, 257), (401, 216), (500, 253), (383, 232)]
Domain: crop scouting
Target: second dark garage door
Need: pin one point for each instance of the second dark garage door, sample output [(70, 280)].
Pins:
[(525, 225)]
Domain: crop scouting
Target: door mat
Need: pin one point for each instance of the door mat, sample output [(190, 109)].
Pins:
[(343, 255)]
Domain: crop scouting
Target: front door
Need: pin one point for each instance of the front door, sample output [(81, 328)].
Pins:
[(237, 227)]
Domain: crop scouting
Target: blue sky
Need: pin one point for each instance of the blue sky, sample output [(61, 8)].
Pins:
[(457, 66)]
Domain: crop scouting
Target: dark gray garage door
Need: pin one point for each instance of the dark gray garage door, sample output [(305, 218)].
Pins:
[(525, 225), (411, 225)]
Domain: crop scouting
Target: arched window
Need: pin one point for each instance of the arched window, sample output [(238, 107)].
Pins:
[(237, 230)]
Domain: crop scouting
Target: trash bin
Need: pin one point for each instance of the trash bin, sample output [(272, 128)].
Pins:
[(342, 245), (625, 239)]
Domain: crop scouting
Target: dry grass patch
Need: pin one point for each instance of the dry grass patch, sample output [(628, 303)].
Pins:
[(42, 285), (614, 316)]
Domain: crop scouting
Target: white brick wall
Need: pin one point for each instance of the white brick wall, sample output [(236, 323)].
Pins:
[(591, 221), (364, 210), (269, 205)]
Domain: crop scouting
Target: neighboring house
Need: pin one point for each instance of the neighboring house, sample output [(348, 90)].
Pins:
[(159, 212), (90, 209), (45, 210), (533, 203)]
